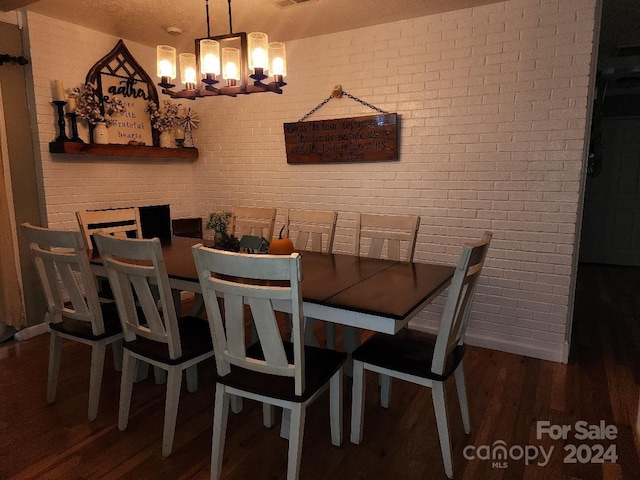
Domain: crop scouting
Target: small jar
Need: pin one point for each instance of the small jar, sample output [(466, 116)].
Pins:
[(165, 139), (101, 133)]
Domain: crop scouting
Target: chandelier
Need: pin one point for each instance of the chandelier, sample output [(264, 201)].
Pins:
[(231, 65)]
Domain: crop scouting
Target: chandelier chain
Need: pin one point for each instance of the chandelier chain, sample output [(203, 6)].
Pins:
[(352, 97)]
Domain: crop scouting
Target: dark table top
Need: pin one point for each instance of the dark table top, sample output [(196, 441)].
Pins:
[(373, 286)]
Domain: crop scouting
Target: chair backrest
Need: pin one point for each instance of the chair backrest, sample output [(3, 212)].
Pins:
[(311, 229), (395, 230), (133, 266), (63, 266), (120, 222), (456, 311), (258, 221), (242, 279)]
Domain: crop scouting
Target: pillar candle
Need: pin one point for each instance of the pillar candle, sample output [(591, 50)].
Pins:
[(58, 90), (179, 133), (71, 105)]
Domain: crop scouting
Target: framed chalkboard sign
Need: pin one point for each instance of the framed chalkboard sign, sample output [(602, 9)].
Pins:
[(118, 73), (372, 138)]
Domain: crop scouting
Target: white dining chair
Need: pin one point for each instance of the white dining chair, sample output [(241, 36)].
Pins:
[(314, 231), (257, 221), (120, 222), (311, 230), (374, 232), (397, 232), (73, 307), (151, 334), (276, 373), (425, 359)]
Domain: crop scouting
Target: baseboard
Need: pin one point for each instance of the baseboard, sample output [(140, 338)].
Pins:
[(30, 332), (517, 348)]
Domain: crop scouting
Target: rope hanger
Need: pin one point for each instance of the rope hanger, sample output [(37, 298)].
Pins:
[(337, 92)]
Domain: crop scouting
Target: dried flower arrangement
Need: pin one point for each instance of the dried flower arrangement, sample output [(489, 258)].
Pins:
[(164, 117), (92, 109)]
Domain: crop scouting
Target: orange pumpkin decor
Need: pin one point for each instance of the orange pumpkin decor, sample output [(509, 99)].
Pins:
[(281, 246)]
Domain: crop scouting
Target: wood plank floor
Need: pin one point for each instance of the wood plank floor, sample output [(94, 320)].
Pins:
[(508, 394)]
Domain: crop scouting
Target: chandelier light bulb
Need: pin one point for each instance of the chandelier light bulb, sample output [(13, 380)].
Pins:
[(258, 44), (209, 57), (166, 57)]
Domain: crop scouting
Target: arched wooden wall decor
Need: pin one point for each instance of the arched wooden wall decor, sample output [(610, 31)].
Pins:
[(118, 73)]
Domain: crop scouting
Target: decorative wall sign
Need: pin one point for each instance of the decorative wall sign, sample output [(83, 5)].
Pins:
[(359, 139), (118, 73)]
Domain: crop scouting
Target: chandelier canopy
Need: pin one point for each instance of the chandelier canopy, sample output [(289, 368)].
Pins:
[(243, 62)]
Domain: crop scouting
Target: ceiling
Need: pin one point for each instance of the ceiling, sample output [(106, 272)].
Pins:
[(145, 21)]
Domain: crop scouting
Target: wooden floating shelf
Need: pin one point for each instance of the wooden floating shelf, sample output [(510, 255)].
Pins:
[(121, 150)]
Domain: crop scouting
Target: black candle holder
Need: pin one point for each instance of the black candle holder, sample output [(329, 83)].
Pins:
[(74, 128), (61, 123)]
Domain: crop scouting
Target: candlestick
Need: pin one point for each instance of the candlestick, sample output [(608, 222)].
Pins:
[(61, 123), (74, 128), (58, 91)]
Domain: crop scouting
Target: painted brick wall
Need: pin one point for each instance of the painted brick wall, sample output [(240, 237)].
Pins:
[(68, 183), (493, 102), (493, 105)]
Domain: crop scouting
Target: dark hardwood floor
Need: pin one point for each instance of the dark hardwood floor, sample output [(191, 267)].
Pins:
[(508, 394)]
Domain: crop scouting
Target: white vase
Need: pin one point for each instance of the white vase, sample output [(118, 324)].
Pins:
[(101, 134), (165, 139)]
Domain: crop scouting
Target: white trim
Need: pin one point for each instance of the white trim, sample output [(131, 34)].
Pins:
[(515, 347)]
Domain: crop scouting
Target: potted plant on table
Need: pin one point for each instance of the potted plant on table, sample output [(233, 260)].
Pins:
[(219, 223)]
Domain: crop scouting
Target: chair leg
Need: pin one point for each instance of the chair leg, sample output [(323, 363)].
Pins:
[(142, 371), (55, 349), (336, 410), (98, 352), (198, 305), (220, 417), (236, 404), (192, 378), (462, 398), (351, 338), (331, 335), (309, 335), (174, 382), (385, 390), (296, 434), (126, 388), (160, 375), (440, 407), (268, 415), (357, 402), (116, 349)]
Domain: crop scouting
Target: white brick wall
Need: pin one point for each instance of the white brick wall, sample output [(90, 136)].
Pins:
[(493, 104), (69, 183)]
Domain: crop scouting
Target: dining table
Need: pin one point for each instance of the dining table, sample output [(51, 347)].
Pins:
[(362, 292), (369, 293)]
